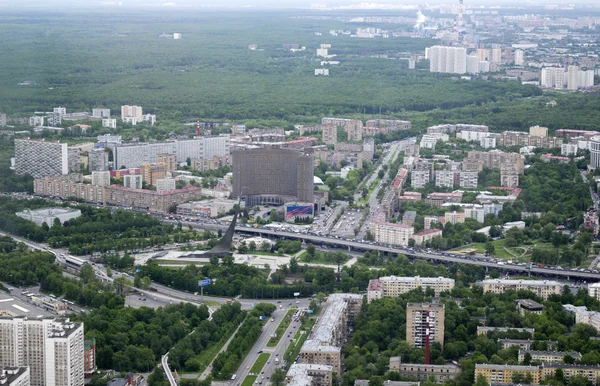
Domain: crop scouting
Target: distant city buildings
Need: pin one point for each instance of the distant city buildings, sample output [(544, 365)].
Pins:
[(48, 215), (41, 158), (572, 79), (542, 288), (452, 60), (131, 114)]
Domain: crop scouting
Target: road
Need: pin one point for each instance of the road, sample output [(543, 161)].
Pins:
[(261, 346)]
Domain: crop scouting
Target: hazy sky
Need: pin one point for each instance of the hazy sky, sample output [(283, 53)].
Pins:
[(62, 5)]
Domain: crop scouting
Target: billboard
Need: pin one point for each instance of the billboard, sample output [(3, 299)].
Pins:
[(203, 283), (298, 210)]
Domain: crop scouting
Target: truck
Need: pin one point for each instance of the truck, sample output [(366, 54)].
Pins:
[(276, 361)]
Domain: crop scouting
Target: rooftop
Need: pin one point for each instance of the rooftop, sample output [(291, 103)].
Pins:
[(417, 279), (427, 232), (152, 192), (533, 283)]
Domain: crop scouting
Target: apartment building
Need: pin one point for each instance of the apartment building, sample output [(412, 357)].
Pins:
[(488, 142), (584, 316), (519, 138), (390, 233), (523, 344), (525, 306), (509, 176), (421, 372), (454, 217), (97, 160), (419, 178), (484, 330), (450, 128), (424, 322), (131, 112), (387, 126), (542, 288), (568, 149), (101, 178), (150, 118), (211, 164), (468, 179), (151, 173), (394, 286), (503, 374), (437, 198), (331, 332), (329, 134), (133, 181), (451, 60), (165, 184), (89, 357), (15, 376), (428, 141), (594, 290), (475, 212), (305, 374), (41, 158), (135, 155), (169, 160), (548, 356), (428, 220), (445, 178), (493, 159), (426, 235), (51, 348), (355, 131)]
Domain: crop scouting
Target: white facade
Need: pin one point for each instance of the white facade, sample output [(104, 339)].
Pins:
[(389, 233), (41, 158), (444, 178), (568, 149), (101, 178), (488, 142), (165, 185), (553, 77), (594, 151), (394, 286), (131, 120), (51, 348), (428, 141), (101, 113), (452, 60), (476, 213), (474, 136), (40, 216), (594, 290), (108, 122), (468, 179), (519, 58), (419, 178), (150, 118), (133, 181), (322, 71), (36, 121), (131, 112)]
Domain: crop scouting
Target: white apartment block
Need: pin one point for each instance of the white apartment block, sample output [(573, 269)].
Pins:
[(569, 149), (51, 348), (553, 77), (492, 208), (165, 185), (577, 79), (428, 141), (110, 123), (101, 113), (452, 60), (428, 220), (134, 181), (329, 134), (519, 58), (594, 290), (97, 160), (131, 112), (542, 288), (548, 356), (472, 136), (584, 316), (390, 233), (15, 376), (40, 158), (131, 120), (136, 155), (419, 178), (538, 131), (475, 212), (36, 121), (445, 178), (150, 118), (488, 142), (101, 178), (468, 179), (394, 286)]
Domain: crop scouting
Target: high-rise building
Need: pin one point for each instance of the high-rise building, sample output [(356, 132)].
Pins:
[(519, 58), (594, 151), (89, 357), (424, 322), (154, 172), (97, 160), (354, 130), (101, 178), (2, 119), (329, 134), (168, 159), (553, 77), (51, 348), (74, 160), (133, 181), (496, 55), (452, 60), (41, 158), (15, 376), (131, 112), (273, 175)]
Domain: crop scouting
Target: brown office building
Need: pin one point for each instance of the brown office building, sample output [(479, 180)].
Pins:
[(273, 176)]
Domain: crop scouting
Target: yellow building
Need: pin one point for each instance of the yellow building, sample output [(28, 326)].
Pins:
[(154, 172), (508, 374)]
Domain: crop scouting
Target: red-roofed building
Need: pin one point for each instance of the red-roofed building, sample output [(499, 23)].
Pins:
[(427, 235)]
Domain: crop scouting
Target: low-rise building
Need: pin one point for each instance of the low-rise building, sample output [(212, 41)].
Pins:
[(409, 217), (445, 178), (542, 288), (206, 208), (454, 217), (394, 286), (133, 181), (426, 235), (305, 374), (548, 356), (484, 330), (48, 215), (421, 372), (529, 306), (419, 178), (437, 198), (468, 179), (390, 233), (503, 374)]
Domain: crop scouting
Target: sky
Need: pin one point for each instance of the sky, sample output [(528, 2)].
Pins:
[(186, 4)]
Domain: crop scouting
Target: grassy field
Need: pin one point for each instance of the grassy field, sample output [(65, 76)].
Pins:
[(207, 355), (282, 327), (294, 349), (260, 363), (249, 380), (319, 258)]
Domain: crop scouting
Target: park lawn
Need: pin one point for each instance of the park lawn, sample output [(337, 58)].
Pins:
[(319, 258), (260, 363), (499, 252), (208, 354), (249, 380), (287, 319)]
